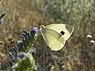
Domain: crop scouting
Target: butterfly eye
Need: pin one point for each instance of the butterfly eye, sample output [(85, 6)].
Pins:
[(62, 32)]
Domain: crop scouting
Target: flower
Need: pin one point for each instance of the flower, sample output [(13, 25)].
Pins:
[(26, 32), (12, 57), (14, 49), (35, 29), (20, 45), (20, 55)]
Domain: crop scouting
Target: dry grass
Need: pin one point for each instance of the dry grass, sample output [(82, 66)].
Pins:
[(78, 53)]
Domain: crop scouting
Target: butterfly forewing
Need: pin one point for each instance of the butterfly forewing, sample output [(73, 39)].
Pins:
[(60, 28)]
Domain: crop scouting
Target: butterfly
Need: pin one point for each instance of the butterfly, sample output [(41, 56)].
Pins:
[(56, 35)]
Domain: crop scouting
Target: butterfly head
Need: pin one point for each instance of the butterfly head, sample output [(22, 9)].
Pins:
[(42, 28)]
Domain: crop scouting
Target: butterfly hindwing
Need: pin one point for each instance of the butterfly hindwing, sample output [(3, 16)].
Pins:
[(55, 42)]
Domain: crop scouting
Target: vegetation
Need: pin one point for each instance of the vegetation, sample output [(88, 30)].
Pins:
[(22, 15)]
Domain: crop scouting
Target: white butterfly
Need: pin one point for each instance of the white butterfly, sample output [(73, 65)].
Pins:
[(55, 35)]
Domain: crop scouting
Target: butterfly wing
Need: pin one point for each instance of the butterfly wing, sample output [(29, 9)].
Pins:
[(53, 36), (67, 29), (53, 39)]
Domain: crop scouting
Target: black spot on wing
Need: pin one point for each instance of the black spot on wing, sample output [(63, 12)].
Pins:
[(62, 32)]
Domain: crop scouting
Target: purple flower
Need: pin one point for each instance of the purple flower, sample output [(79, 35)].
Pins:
[(10, 54), (35, 29), (14, 49), (20, 55), (26, 32)]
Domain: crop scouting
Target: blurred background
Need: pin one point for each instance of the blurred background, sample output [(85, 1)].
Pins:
[(79, 51)]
